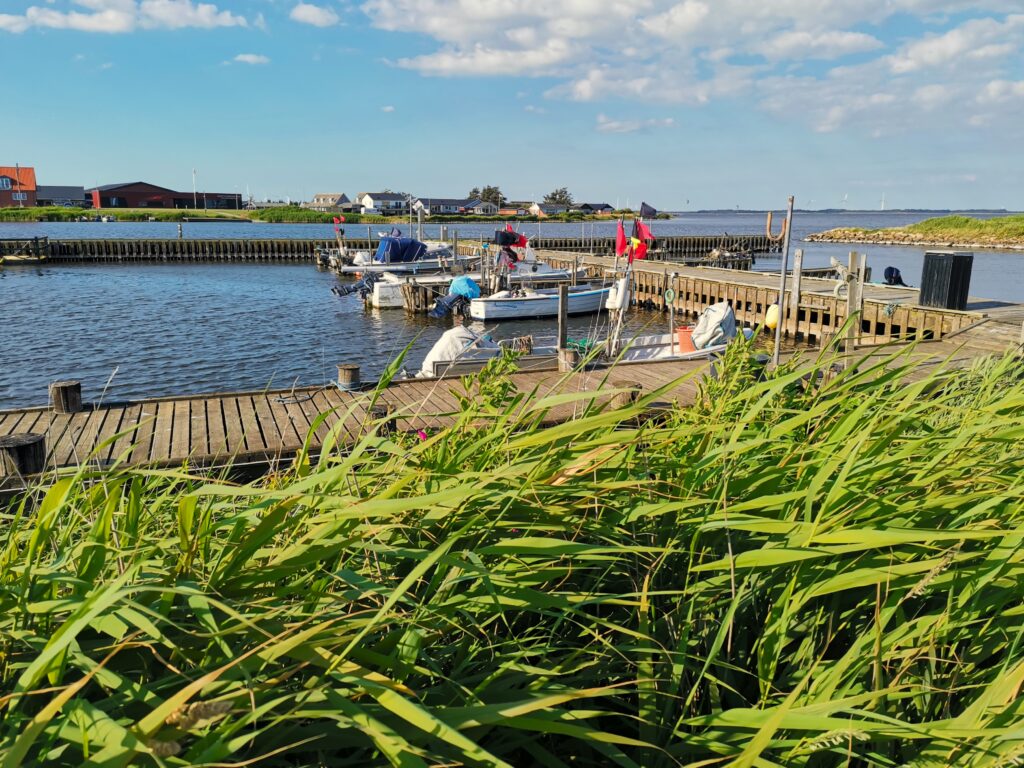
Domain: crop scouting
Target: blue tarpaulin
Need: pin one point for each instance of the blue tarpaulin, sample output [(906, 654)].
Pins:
[(398, 250), (464, 286)]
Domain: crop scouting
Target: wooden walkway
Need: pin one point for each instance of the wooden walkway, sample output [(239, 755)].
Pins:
[(811, 310), (265, 427)]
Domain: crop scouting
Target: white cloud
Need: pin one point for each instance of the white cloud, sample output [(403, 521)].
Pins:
[(1001, 91), (801, 44), (606, 125), (251, 58), (388, 108), (534, 109), (318, 16), (121, 16)]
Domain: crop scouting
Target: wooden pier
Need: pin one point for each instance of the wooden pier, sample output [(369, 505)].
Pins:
[(263, 429), (303, 250), (811, 310)]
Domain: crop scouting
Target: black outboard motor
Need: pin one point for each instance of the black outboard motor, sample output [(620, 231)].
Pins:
[(453, 303), (363, 287), (893, 277)]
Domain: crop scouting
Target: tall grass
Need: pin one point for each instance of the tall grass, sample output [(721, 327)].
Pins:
[(787, 574)]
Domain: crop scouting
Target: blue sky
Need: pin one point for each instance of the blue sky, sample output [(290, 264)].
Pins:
[(692, 104)]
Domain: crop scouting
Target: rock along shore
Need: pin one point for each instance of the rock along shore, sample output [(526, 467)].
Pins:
[(914, 239)]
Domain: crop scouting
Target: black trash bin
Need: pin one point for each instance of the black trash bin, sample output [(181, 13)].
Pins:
[(946, 279)]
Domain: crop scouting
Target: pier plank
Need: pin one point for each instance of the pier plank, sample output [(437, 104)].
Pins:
[(123, 446), (231, 408), (253, 431), (161, 444)]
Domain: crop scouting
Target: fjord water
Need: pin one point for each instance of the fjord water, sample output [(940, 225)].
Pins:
[(164, 329)]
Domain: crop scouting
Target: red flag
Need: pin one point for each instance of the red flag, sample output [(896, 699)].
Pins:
[(643, 232), (337, 221), (522, 242), (621, 245)]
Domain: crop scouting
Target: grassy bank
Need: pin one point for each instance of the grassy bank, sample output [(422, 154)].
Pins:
[(777, 577), (956, 231), (281, 215)]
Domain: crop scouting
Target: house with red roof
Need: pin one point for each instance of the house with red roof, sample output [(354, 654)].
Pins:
[(17, 186)]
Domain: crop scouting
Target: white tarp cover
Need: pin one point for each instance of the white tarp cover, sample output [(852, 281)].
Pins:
[(452, 345), (717, 325)]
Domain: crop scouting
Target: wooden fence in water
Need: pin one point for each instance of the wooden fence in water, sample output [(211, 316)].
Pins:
[(289, 249)]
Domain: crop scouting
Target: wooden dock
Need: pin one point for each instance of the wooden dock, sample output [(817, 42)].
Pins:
[(264, 428), (122, 250), (811, 310)]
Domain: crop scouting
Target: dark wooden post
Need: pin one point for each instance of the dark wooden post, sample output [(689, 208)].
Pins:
[(23, 454), (382, 413), (348, 376), (563, 315), (625, 399), (66, 396)]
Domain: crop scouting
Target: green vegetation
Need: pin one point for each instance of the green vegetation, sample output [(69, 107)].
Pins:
[(945, 230), (782, 575)]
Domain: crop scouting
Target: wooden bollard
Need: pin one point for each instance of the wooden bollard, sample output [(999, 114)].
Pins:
[(22, 454), (625, 399), (568, 360), (382, 413), (66, 396), (348, 376)]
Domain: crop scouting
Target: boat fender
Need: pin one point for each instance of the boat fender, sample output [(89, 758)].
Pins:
[(771, 317)]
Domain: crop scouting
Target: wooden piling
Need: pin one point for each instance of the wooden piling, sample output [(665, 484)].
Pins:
[(66, 396), (348, 376), (22, 454), (563, 315)]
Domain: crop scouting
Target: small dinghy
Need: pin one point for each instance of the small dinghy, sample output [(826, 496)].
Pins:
[(527, 303)]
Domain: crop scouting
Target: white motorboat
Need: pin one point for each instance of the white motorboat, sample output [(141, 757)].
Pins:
[(461, 348), (524, 303), (405, 256), (530, 272)]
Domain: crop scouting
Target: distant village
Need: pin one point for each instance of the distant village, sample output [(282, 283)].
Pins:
[(19, 188)]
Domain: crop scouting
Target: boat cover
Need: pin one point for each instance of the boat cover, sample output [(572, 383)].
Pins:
[(399, 250), (717, 325), (452, 345), (464, 286)]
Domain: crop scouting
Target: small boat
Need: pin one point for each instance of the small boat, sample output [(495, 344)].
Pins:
[(404, 255), (525, 303), (460, 349)]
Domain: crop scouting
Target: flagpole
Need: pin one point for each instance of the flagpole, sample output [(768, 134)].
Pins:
[(782, 285)]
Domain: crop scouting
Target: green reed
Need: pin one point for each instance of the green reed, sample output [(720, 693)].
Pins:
[(792, 572)]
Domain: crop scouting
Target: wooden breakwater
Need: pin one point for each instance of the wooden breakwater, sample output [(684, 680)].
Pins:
[(292, 249)]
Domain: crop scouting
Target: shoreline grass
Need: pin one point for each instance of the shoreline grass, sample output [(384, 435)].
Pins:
[(778, 576), (279, 215), (1003, 231)]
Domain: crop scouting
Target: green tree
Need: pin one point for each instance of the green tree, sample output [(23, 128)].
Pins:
[(489, 194), (560, 196)]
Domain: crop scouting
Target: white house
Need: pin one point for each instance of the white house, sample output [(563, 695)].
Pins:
[(382, 202), (482, 208), (327, 202)]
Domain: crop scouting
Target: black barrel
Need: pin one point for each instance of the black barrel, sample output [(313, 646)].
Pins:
[(946, 279)]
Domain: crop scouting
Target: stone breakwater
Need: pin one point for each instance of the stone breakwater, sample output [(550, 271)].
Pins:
[(913, 239)]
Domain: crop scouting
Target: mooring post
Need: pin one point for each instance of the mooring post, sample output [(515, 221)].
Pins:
[(854, 292), (794, 292), (66, 396), (563, 315), (22, 454), (348, 376), (776, 354)]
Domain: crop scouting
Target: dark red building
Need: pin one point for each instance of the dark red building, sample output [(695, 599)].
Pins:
[(139, 194)]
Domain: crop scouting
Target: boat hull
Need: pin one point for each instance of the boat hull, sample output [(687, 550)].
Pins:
[(545, 305)]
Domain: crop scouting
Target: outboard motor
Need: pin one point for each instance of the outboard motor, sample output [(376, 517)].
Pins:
[(453, 303), (893, 277), (363, 287)]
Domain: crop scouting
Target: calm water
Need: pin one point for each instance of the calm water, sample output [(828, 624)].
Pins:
[(166, 329)]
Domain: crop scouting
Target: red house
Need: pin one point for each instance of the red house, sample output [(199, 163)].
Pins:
[(140, 194), (17, 186)]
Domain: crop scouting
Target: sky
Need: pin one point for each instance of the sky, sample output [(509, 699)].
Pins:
[(687, 105)]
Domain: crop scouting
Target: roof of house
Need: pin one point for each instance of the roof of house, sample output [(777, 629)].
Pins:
[(386, 197), (594, 206), (112, 187), (552, 207), (455, 202), (477, 202), (339, 197), (23, 177), (60, 193)]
